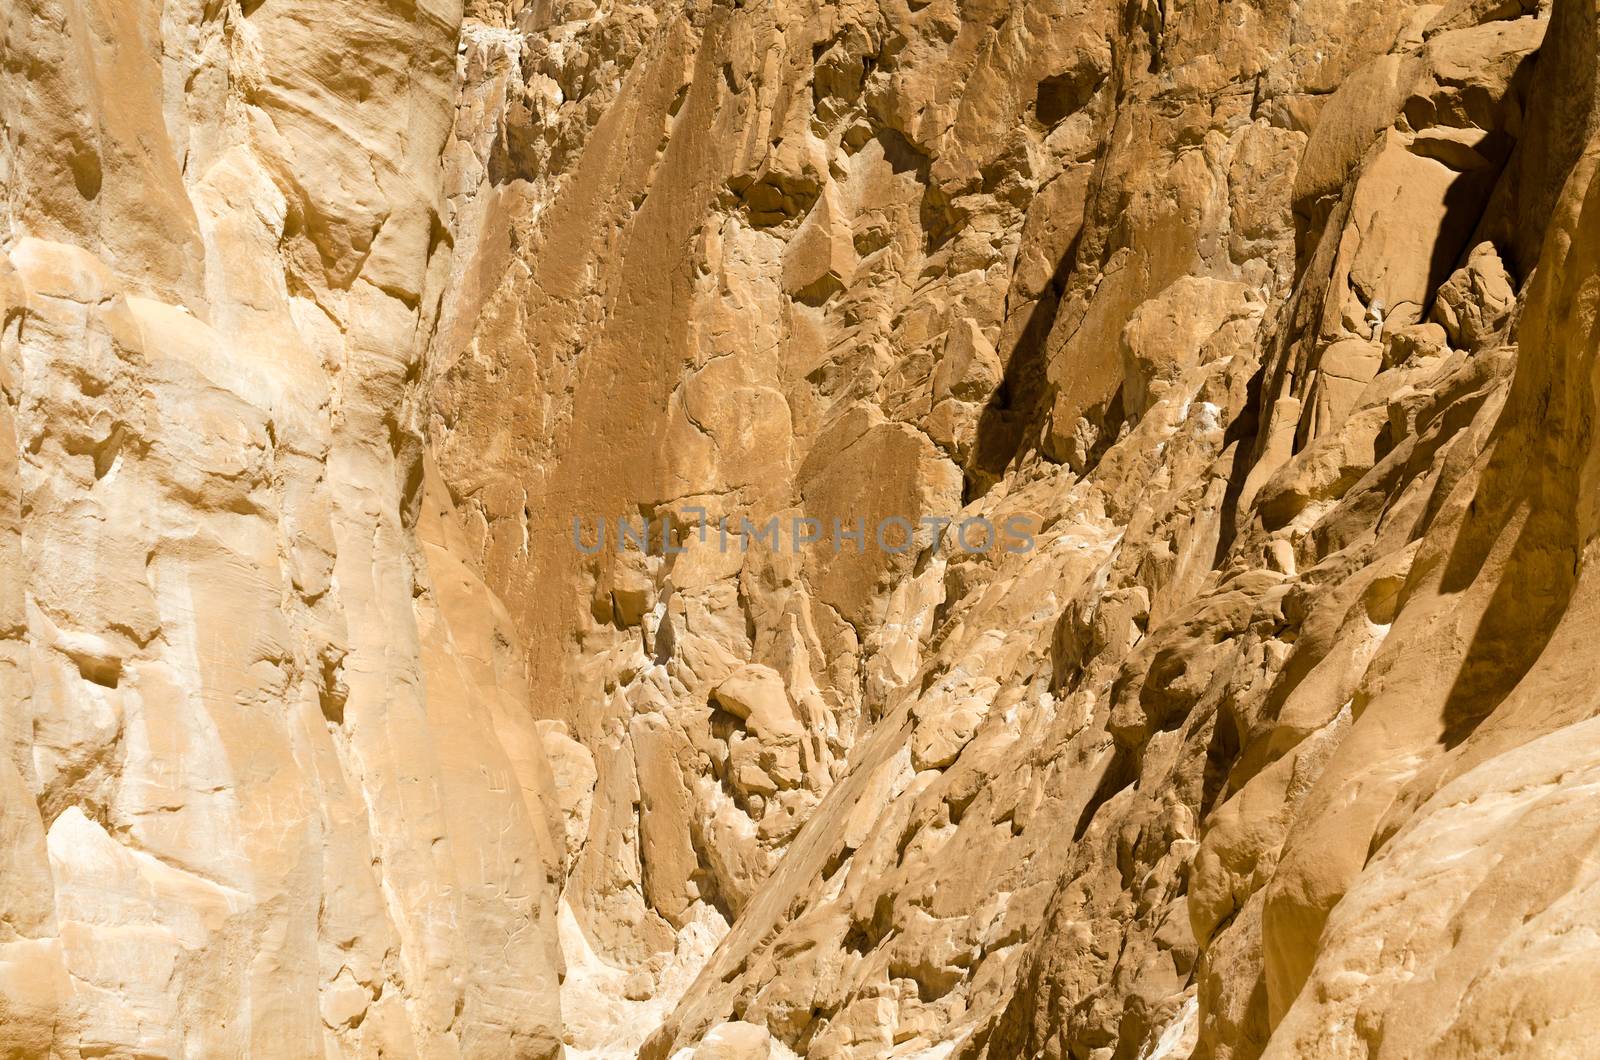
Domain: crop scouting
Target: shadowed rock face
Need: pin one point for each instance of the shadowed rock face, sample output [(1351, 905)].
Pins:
[(1264, 728)]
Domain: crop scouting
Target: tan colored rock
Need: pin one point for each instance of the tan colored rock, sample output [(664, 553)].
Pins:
[(269, 711), (1474, 305), (969, 369), (820, 259), (1166, 335), (1255, 345), (573, 774), (735, 1041), (756, 694)]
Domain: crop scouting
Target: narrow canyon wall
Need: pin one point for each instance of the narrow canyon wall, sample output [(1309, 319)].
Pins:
[(270, 784), (1270, 332)]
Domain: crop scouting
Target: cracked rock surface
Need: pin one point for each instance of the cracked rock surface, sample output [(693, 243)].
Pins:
[(1225, 689)]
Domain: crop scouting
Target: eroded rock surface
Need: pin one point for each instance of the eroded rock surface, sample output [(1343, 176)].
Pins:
[(271, 786), (1262, 342)]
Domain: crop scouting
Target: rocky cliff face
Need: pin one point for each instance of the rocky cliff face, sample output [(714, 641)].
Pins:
[(1263, 728)]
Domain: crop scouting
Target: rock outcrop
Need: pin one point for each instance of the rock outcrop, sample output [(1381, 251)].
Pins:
[(715, 530), (271, 787)]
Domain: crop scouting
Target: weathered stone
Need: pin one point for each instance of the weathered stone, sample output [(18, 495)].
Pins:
[(1474, 305), (735, 1041), (1166, 334), (1118, 484), (756, 694)]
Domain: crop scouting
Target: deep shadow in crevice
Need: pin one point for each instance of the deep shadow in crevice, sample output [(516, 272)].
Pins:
[(1464, 204), (1118, 775), (902, 155), (1241, 436), (940, 220), (1534, 589), (1018, 403), (1530, 488), (1222, 751)]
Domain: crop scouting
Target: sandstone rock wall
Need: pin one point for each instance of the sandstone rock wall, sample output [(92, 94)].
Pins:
[(270, 786), (1270, 328)]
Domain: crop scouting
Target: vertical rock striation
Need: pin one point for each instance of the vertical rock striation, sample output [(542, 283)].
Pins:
[(1264, 728), (271, 787)]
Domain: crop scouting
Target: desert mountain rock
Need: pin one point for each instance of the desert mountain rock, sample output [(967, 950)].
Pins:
[(446, 609)]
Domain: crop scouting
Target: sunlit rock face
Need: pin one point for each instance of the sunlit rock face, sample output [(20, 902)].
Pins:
[(271, 784), (1222, 686)]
